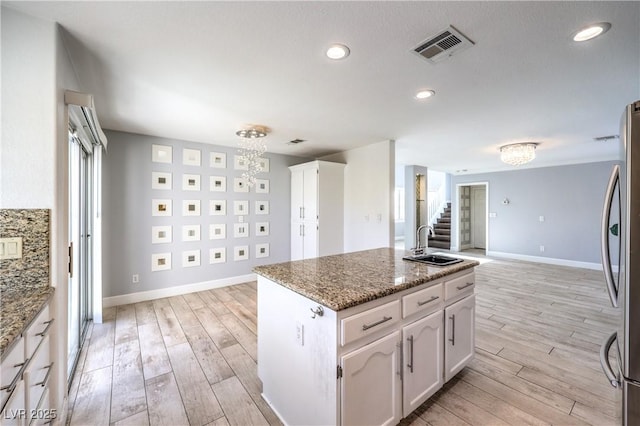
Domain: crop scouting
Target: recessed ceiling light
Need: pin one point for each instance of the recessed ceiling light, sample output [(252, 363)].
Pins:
[(424, 94), (592, 31), (338, 51)]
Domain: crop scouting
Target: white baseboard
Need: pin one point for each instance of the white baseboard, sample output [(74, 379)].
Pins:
[(143, 296), (547, 260)]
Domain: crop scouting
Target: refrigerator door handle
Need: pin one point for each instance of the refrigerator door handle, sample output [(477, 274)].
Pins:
[(604, 360), (604, 242)]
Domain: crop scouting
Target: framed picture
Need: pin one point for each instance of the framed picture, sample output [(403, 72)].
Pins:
[(218, 160), (190, 182), (160, 207), (262, 186), (240, 185), (160, 180), (240, 253), (264, 165), (262, 207), (217, 255), (218, 207), (262, 250), (240, 163), (240, 230), (161, 262), (190, 258), (262, 229), (191, 233), (191, 208), (161, 234), (218, 184), (191, 157), (241, 208), (217, 231), (161, 154)]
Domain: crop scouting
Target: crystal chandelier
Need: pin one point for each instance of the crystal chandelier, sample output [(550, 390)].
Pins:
[(252, 147), (517, 154)]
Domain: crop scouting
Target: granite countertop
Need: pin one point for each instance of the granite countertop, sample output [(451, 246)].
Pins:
[(18, 308), (345, 280)]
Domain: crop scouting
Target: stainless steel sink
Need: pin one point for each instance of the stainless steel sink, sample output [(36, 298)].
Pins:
[(433, 259)]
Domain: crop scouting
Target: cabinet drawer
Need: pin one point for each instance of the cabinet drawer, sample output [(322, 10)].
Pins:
[(368, 322), (12, 366), (461, 285), (37, 375), (14, 413), (424, 301), (36, 332), (44, 414)]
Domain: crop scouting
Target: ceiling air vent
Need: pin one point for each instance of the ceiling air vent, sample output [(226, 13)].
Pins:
[(443, 45), (296, 141)]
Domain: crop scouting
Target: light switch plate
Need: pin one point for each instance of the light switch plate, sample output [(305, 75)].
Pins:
[(10, 248)]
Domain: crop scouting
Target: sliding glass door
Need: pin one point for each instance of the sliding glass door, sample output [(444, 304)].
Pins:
[(80, 230)]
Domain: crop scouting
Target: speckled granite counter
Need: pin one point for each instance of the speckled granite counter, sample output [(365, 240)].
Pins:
[(345, 280), (18, 308)]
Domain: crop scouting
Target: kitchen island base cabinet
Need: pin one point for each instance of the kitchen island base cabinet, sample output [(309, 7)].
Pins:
[(373, 363), (460, 335), (371, 386)]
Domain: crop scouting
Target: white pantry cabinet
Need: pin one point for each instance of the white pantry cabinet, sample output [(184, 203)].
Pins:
[(370, 364), (317, 205)]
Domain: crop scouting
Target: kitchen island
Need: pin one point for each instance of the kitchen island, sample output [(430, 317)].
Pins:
[(361, 338)]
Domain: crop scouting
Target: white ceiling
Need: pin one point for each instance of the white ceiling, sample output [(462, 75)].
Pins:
[(199, 71)]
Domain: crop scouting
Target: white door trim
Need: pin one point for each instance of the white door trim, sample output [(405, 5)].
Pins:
[(455, 236)]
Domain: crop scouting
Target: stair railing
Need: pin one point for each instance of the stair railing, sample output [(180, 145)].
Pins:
[(436, 203)]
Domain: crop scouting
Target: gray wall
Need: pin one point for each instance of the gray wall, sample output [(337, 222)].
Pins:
[(127, 219), (410, 219), (569, 197)]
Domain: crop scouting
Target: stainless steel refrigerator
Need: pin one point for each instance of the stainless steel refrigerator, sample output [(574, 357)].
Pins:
[(621, 264)]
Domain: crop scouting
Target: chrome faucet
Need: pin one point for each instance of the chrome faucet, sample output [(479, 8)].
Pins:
[(419, 248)]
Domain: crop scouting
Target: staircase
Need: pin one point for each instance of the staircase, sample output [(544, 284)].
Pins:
[(442, 230)]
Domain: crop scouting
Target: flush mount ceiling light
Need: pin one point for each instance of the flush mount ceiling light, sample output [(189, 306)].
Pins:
[(592, 31), (338, 51), (424, 94), (252, 147), (517, 154)]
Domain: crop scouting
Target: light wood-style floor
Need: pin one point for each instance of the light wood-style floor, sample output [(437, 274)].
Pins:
[(192, 359)]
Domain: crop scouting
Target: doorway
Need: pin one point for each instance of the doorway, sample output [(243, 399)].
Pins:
[(472, 220), (80, 246)]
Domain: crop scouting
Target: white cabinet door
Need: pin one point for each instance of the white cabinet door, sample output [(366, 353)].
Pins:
[(309, 240), (459, 335), (297, 197), (371, 387), (310, 195), (14, 412), (423, 361), (297, 242)]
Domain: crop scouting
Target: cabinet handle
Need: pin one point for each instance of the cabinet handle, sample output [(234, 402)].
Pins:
[(44, 381), (14, 382), (317, 311), (410, 365), (464, 286), (453, 330), (428, 301), (399, 365), (365, 327), (302, 230), (46, 329), (301, 214)]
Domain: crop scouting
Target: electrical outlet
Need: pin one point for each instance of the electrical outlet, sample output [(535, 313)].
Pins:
[(541, 249), (300, 333), (135, 278)]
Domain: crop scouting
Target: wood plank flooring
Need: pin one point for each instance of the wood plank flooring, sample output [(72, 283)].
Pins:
[(191, 360)]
